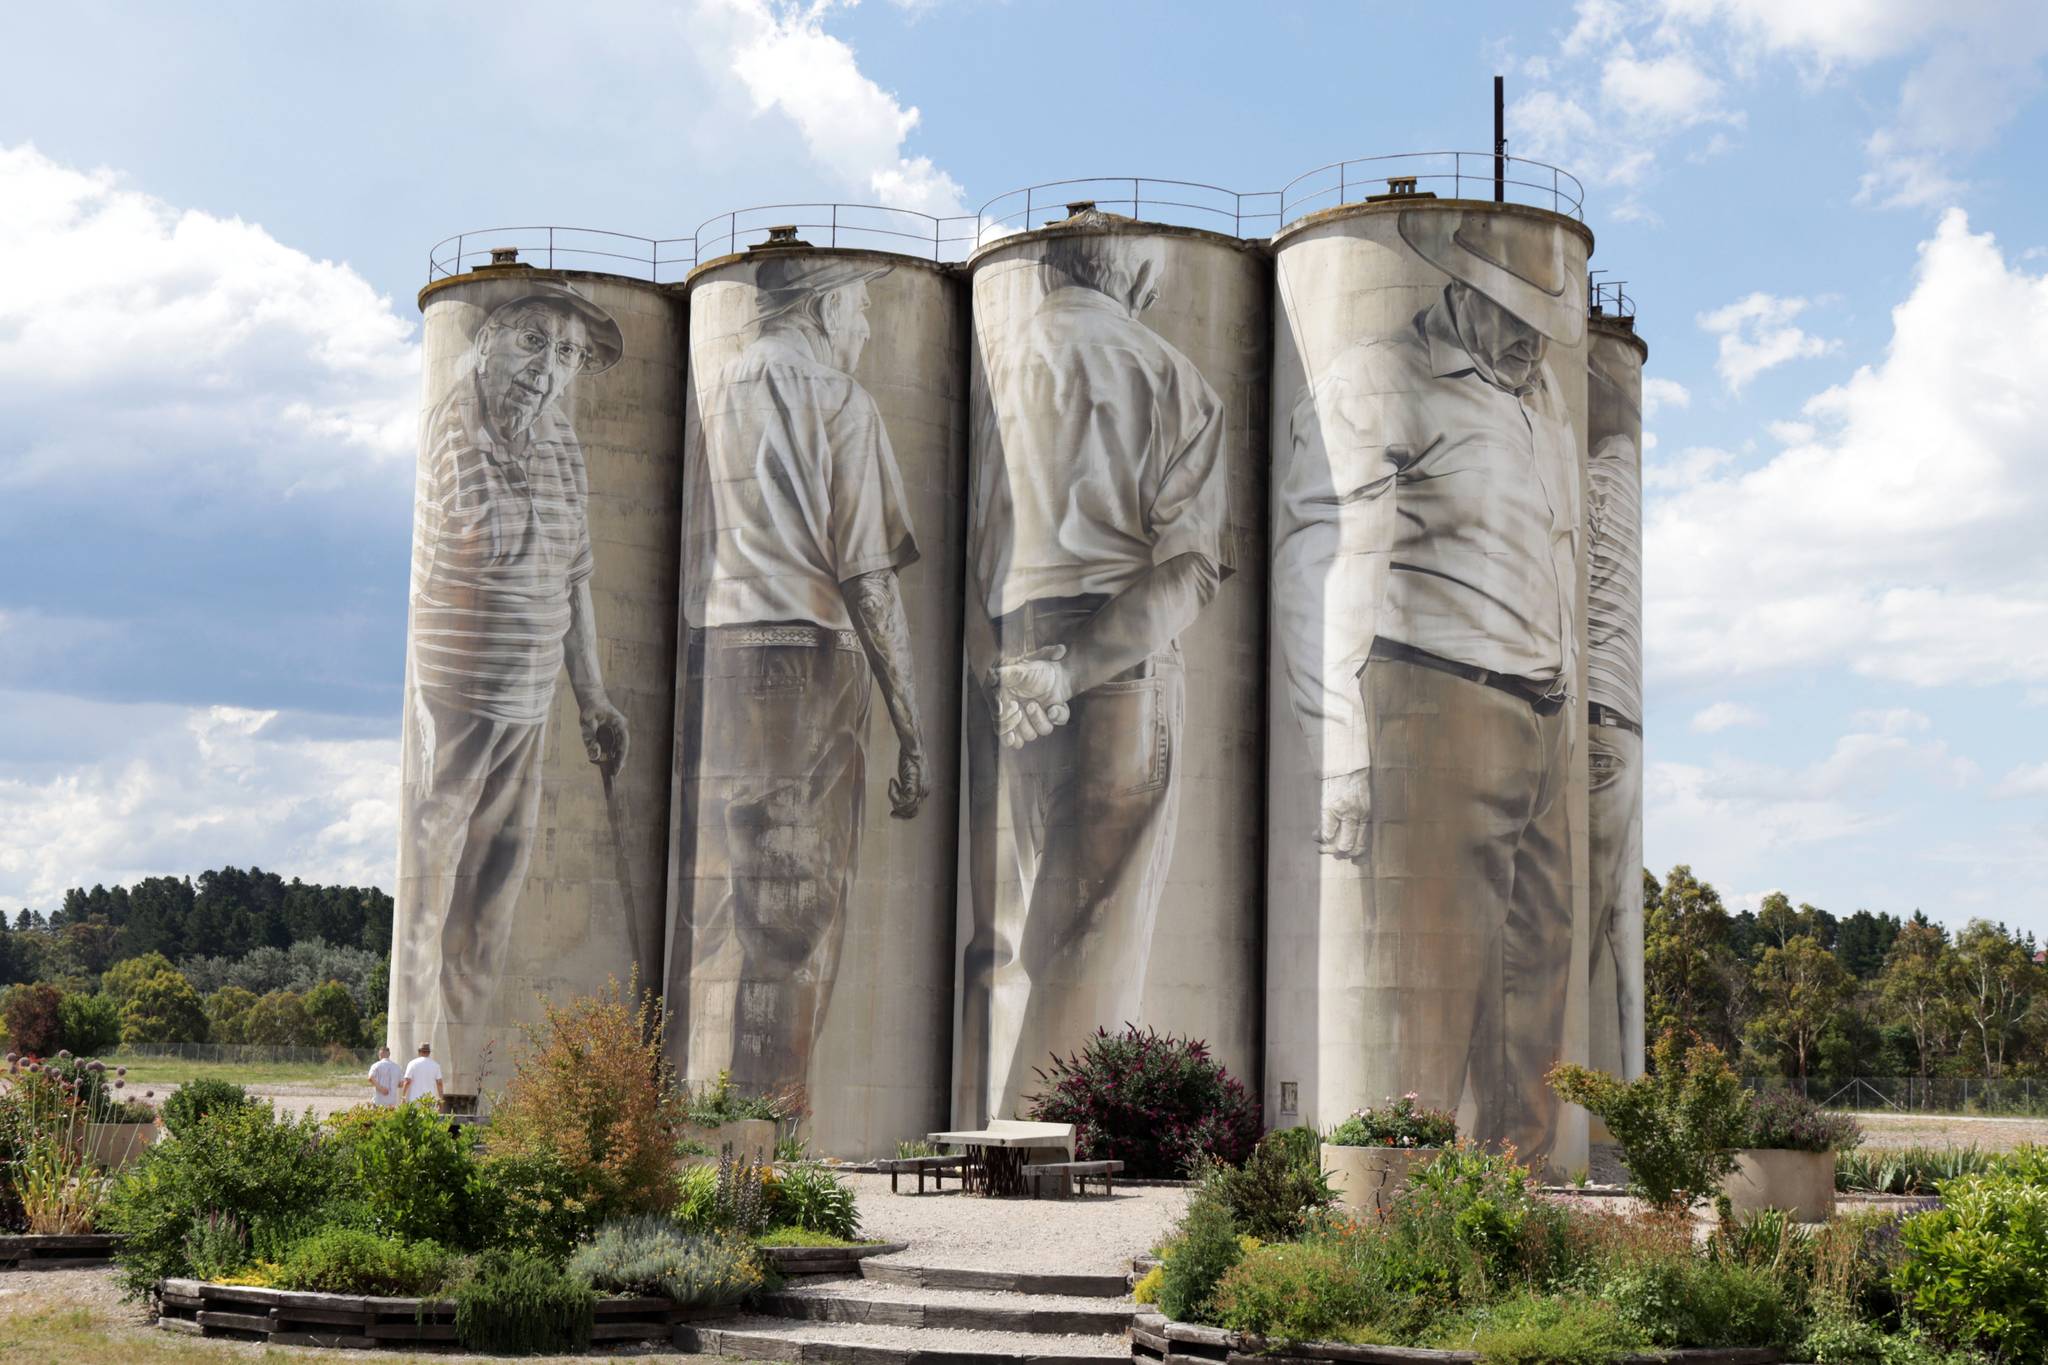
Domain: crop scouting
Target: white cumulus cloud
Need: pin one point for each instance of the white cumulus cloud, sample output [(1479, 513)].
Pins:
[(136, 337), (1902, 540), (854, 129), (141, 789), (1756, 334)]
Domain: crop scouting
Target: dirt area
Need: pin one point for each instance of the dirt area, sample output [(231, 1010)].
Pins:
[(1951, 1130), (1087, 1235)]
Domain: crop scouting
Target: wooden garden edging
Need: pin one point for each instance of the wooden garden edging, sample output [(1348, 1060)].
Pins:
[(52, 1251), (1184, 1343), (825, 1260), (290, 1317)]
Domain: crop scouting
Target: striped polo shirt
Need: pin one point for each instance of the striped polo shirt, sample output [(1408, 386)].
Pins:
[(500, 537)]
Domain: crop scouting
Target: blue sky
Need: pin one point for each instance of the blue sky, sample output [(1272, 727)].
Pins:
[(213, 221)]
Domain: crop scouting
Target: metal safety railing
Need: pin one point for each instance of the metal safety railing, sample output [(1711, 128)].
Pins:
[(1184, 203), (556, 247), (665, 260), (905, 231), (1452, 175), (1609, 298)]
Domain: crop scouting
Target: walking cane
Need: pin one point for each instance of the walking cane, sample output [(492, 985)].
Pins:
[(621, 820)]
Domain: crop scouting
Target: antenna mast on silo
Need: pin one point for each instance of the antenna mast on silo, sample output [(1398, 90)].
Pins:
[(1500, 140)]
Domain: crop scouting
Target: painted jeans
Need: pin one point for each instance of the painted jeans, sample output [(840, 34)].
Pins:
[(774, 791), (1614, 835), (1069, 842)]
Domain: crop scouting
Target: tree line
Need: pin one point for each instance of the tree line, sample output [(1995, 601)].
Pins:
[(1803, 994), (230, 956)]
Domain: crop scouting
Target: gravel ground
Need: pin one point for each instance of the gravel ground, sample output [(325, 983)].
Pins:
[(876, 1291), (1091, 1236), (947, 1339)]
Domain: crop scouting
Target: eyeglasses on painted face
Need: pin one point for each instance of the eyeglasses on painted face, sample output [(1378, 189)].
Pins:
[(533, 341)]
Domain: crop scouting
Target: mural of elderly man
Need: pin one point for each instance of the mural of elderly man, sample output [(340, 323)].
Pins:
[(1098, 533), (1432, 492), (798, 528), (500, 604)]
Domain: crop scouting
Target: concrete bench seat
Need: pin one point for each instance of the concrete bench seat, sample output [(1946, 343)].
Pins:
[(936, 1166), (1072, 1174)]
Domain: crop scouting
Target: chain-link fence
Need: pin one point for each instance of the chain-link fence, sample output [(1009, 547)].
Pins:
[(2023, 1097)]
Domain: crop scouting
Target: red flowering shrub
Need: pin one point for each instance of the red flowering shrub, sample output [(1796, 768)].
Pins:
[(1162, 1106)]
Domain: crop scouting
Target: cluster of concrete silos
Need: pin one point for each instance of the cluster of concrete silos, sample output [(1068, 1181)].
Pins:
[(1132, 623)]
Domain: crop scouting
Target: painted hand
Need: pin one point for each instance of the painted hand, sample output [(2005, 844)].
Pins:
[(1346, 828), (911, 785), (1032, 691), (604, 734)]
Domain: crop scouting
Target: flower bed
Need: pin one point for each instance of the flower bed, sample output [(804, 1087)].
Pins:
[(285, 1317), (1178, 1343)]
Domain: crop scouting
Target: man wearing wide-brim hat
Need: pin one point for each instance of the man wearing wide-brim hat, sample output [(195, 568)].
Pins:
[(797, 527), (1429, 506), (500, 605)]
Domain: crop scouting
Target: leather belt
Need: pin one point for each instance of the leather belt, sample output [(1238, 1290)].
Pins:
[(798, 634), (1596, 714), (1544, 699)]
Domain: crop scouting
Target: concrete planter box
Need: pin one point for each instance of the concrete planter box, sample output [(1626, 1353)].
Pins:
[(1800, 1183), (1366, 1179), (115, 1145), (750, 1138)]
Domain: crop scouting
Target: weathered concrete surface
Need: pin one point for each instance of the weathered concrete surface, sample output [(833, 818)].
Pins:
[(589, 906), (1113, 864), (1441, 946), (1614, 626), (868, 914)]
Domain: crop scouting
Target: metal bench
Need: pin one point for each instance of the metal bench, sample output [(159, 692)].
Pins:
[(1073, 1175), (937, 1166)]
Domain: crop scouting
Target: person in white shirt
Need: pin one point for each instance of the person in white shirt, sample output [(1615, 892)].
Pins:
[(422, 1073), (1098, 531), (384, 1079)]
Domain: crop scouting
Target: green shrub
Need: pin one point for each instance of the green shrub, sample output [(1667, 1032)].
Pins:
[(417, 1178), (1787, 1120), (1678, 1124), (1397, 1123), (1274, 1194), (697, 1196), (195, 1099), (268, 1171), (88, 1023), (217, 1246), (1201, 1252), (1161, 1105), (1689, 1300), (809, 1196), (718, 1103), (1837, 1338), (353, 1261), (1908, 1170), (1296, 1291), (653, 1256), (531, 1200), (1531, 1329), (518, 1303), (1469, 1223), (1976, 1269)]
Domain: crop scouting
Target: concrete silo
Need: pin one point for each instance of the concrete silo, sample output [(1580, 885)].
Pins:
[(539, 689), (1426, 896), (1614, 691), (1114, 634), (810, 938)]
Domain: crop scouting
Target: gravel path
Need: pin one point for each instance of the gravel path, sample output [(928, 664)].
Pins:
[(946, 1339), (1082, 1236), (876, 1291)]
